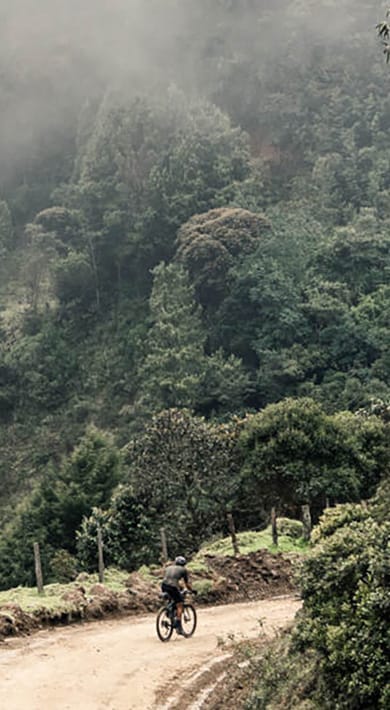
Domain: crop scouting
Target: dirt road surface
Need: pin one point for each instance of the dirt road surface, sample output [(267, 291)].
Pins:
[(121, 664)]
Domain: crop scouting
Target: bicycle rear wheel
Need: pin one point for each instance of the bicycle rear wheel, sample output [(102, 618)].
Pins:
[(188, 620), (164, 626)]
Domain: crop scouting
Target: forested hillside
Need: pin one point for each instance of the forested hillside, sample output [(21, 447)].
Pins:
[(195, 263), (195, 301)]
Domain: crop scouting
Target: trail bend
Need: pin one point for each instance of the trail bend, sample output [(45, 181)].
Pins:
[(121, 664)]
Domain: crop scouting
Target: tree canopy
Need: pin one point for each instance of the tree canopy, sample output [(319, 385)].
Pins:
[(193, 220)]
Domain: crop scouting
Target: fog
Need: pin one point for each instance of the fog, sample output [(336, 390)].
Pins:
[(56, 53)]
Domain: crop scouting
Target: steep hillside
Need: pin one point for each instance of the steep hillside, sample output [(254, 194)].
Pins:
[(217, 244)]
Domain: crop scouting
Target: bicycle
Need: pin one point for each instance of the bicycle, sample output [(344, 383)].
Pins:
[(166, 619)]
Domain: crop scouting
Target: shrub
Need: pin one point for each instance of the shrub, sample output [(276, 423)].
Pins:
[(346, 592), (64, 567), (291, 528)]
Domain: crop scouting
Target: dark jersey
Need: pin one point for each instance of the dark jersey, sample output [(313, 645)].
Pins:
[(174, 574)]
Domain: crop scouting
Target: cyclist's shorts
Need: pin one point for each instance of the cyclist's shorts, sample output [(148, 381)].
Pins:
[(173, 592)]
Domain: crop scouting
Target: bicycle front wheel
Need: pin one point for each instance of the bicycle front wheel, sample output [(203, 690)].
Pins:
[(164, 626), (188, 620)]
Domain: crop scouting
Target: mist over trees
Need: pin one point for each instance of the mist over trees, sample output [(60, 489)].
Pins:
[(194, 247)]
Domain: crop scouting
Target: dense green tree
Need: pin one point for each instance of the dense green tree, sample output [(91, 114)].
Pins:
[(266, 302), (357, 256), (261, 312), (127, 532), (186, 470), (36, 519), (337, 655), (210, 244), (172, 367), (295, 453), (41, 366), (89, 476), (41, 252), (74, 282), (175, 368), (225, 385), (64, 224), (372, 317)]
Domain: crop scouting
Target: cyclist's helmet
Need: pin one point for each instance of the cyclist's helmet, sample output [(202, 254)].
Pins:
[(180, 560)]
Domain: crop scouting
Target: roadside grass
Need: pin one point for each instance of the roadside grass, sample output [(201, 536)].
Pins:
[(250, 541), (269, 673), (29, 600), (148, 573)]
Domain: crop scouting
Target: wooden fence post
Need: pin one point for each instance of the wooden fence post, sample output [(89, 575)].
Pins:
[(232, 530), (38, 568), (100, 554), (306, 520), (274, 526), (164, 546)]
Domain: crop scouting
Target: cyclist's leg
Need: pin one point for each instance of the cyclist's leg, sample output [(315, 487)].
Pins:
[(179, 608), (173, 593), (177, 597)]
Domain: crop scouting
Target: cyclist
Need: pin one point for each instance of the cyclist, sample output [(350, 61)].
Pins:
[(175, 575)]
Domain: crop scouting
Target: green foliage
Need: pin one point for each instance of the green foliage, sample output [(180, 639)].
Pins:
[(271, 188), (336, 655), (209, 244), (293, 452), (337, 517), (173, 363), (148, 165), (290, 527), (55, 509), (186, 471), (64, 224), (74, 282), (224, 386), (280, 679), (41, 253), (63, 566), (345, 588), (357, 256), (175, 369), (126, 532), (89, 476), (262, 310), (43, 366)]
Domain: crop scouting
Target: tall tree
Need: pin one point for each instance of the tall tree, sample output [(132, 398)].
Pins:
[(173, 354), (175, 368), (186, 470), (295, 453), (209, 244)]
